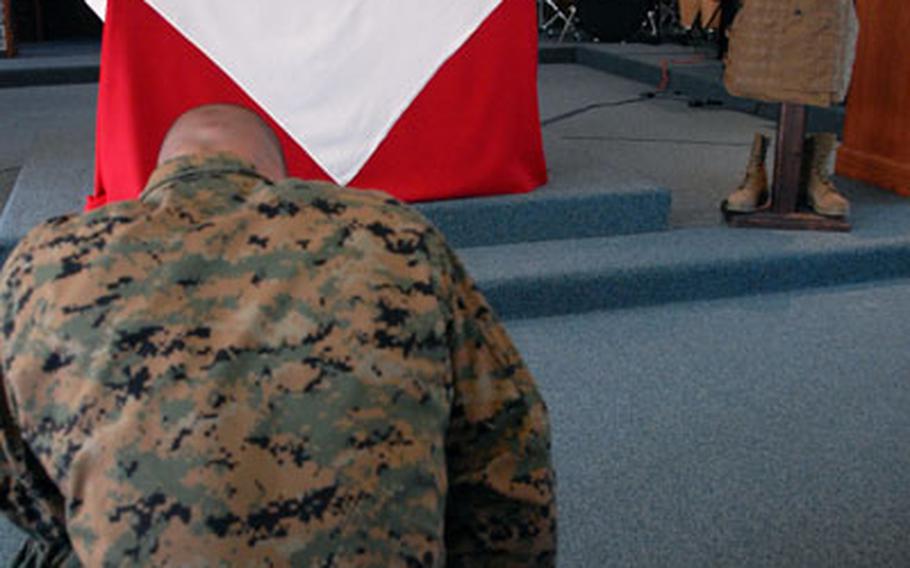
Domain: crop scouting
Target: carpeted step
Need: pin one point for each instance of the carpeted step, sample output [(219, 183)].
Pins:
[(52, 63), (568, 277), (579, 202), (552, 213), (54, 180)]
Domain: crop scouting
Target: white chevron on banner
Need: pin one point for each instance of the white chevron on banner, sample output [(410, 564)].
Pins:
[(98, 6), (336, 76)]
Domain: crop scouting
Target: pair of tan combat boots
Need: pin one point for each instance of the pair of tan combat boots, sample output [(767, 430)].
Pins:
[(823, 197)]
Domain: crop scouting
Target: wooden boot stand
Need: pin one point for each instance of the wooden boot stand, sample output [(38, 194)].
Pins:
[(789, 209)]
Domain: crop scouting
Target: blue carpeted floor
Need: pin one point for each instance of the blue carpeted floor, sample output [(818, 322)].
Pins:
[(766, 431)]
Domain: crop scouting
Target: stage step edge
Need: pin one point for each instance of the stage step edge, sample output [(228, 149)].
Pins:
[(558, 278)]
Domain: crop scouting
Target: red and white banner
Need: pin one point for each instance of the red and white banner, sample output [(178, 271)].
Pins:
[(425, 99)]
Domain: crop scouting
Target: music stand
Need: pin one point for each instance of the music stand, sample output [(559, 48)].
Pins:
[(558, 15), (728, 8)]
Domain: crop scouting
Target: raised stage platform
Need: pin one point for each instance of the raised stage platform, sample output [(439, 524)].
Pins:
[(719, 397)]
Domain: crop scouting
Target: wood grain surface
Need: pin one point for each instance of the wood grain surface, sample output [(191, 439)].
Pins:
[(876, 146)]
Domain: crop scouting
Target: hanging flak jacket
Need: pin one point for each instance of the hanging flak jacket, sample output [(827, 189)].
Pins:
[(795, 51)]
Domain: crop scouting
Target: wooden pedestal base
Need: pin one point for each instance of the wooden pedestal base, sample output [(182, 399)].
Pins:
[(796, 221)]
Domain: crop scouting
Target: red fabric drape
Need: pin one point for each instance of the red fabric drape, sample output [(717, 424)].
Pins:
[(474, 130)]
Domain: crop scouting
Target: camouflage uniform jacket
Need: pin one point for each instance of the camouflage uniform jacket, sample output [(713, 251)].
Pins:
[(234, 372)]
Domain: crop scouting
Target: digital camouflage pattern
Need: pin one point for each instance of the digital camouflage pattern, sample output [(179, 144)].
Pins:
[(235, 372)]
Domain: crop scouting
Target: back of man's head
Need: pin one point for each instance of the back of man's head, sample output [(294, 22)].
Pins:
[(215, 129)]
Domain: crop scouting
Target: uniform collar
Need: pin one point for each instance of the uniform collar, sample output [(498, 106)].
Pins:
[(198, 165)]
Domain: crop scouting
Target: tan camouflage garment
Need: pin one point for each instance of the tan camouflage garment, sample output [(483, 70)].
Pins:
[(230, 372), (796, 51)]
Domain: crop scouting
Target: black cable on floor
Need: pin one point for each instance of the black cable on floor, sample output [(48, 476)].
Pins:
[(595, 106), (659, 140), (649, 96)]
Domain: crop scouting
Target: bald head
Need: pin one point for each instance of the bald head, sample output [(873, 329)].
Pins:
[(216, 129)]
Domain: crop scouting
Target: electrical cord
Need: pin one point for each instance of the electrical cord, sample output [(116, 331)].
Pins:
[(682, 142), (594, 106), (644, 97)]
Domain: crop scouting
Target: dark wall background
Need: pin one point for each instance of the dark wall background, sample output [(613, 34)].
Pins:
[(37, 20)]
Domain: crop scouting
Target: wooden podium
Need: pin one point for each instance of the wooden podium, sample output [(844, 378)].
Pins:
[(876, 145)]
